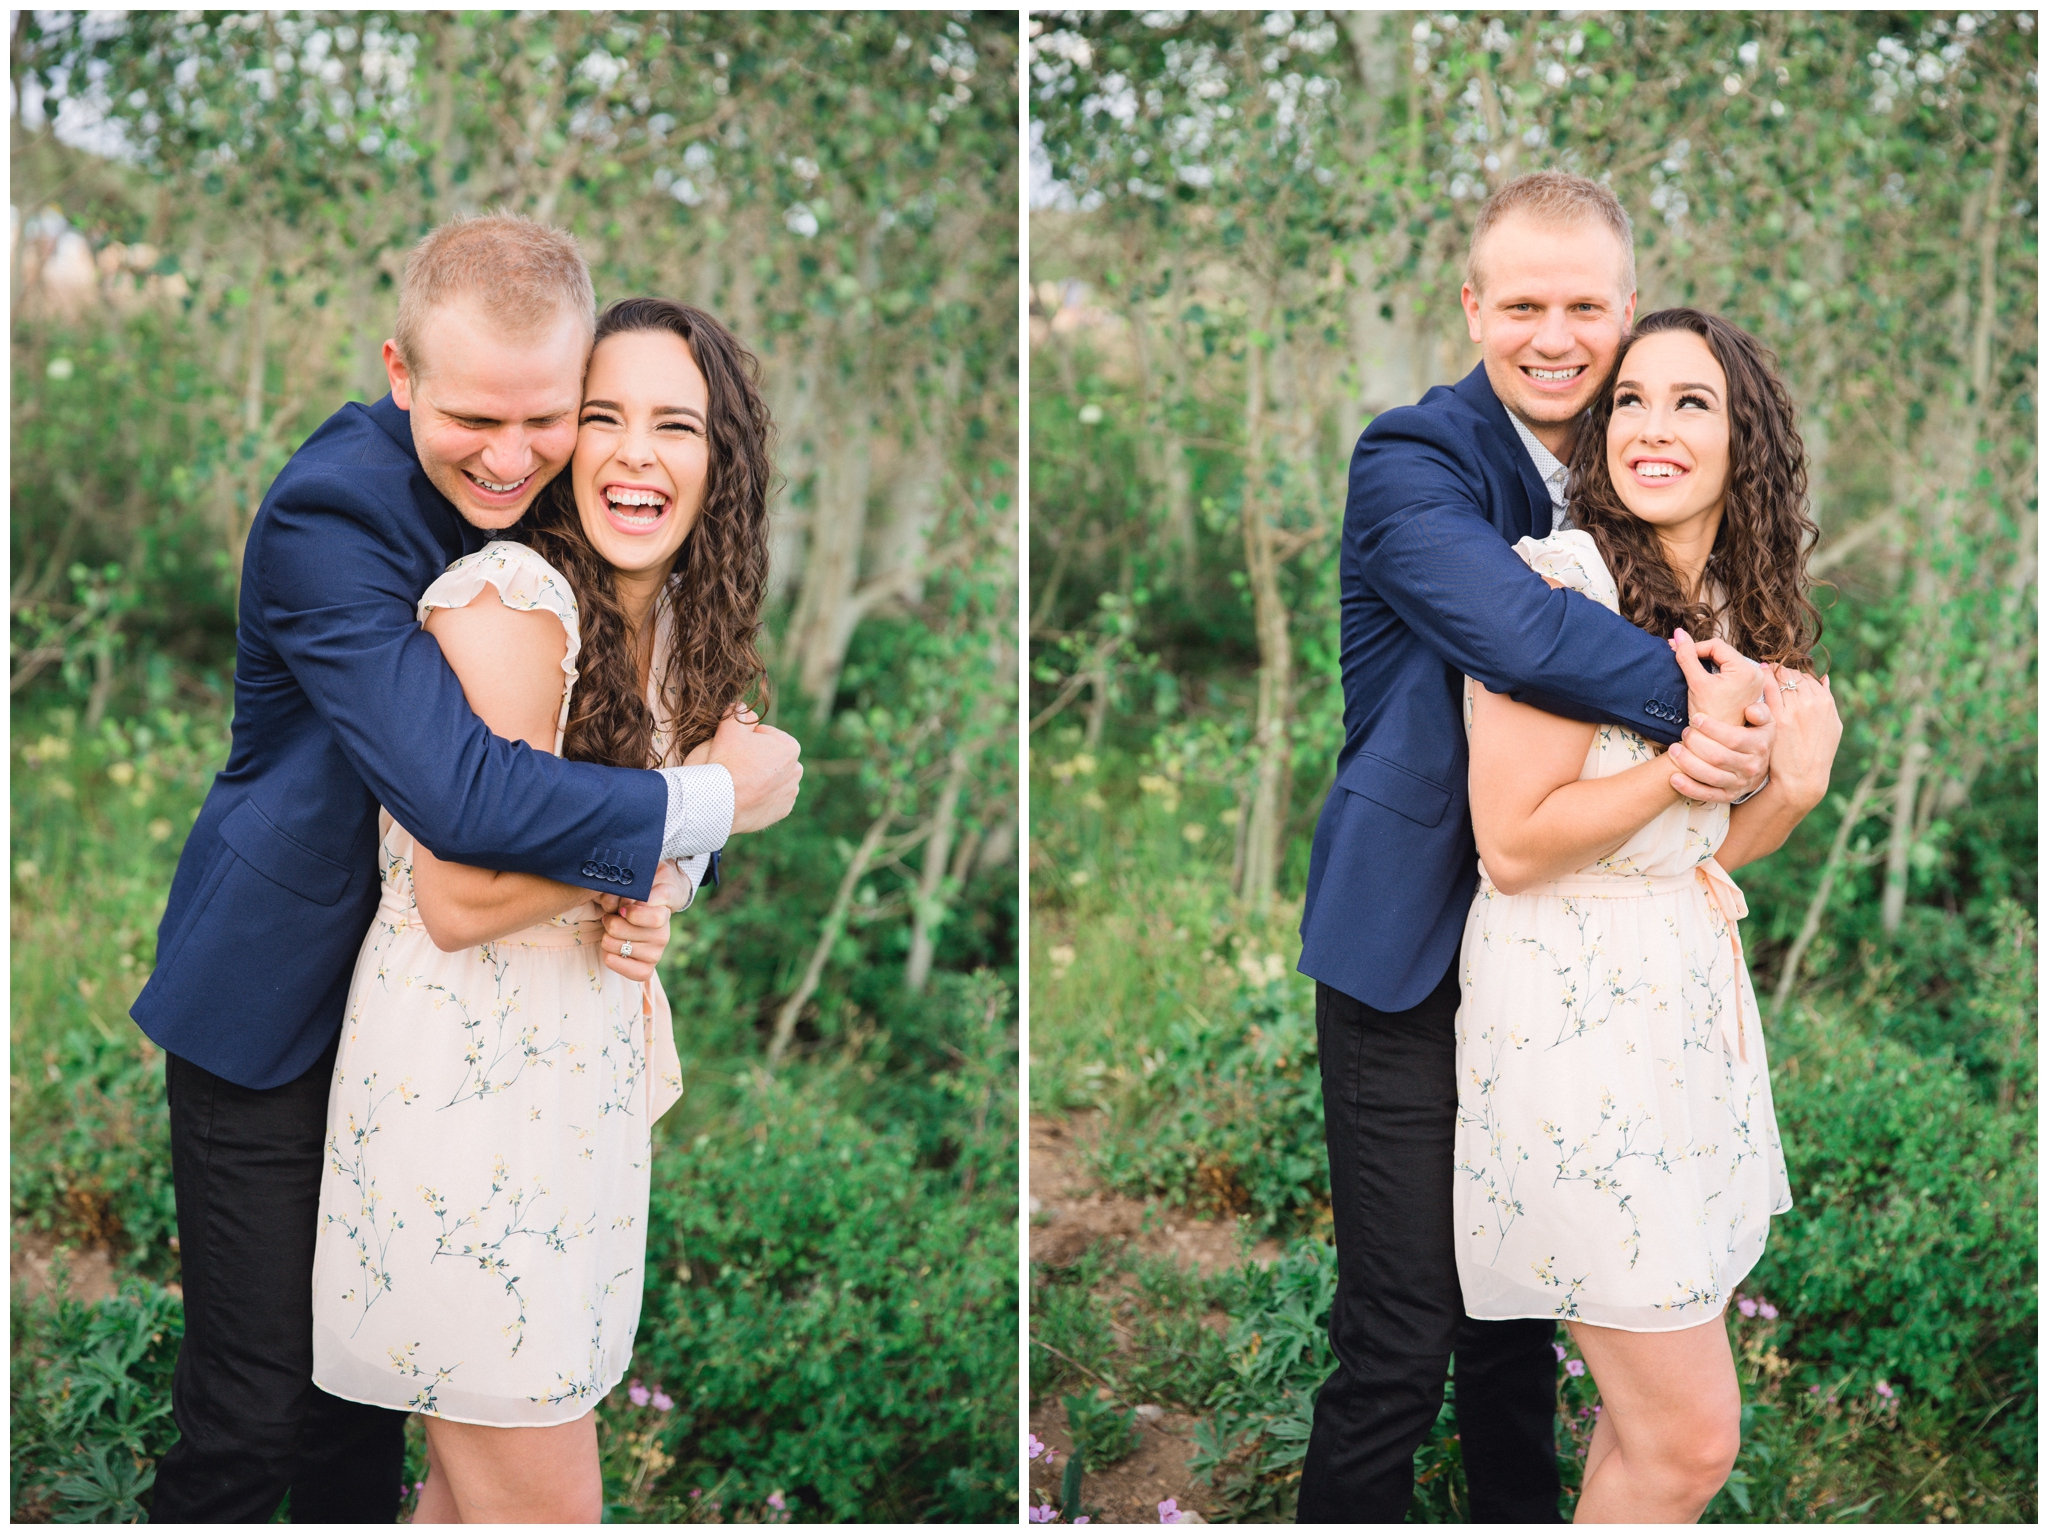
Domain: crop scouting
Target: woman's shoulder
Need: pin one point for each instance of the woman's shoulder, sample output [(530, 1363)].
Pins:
[(523, 580), (1572, 559)]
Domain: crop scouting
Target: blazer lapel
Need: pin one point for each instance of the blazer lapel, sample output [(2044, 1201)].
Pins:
[(1505, 447)]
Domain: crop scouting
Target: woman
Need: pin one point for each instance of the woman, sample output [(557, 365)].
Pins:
[(1618, 1160), (484, 1206)]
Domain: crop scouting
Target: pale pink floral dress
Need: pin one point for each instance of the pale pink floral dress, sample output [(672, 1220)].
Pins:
[(483, 1209), (1617, 1154)]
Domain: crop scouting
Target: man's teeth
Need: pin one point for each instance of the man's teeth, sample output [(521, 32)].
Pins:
[(1555, 375), (497, 489)]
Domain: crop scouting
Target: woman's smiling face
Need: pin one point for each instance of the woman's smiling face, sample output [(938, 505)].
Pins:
[(1667, 441), (642, 453)]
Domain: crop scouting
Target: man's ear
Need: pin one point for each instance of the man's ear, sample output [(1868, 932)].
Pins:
[(400, 376), (1470, 299), (1628, 312)]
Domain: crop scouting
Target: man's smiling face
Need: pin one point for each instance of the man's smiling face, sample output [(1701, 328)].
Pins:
[(1548, 315), (493, 417)]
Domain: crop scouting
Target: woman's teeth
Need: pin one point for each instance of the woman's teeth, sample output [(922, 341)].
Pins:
[(637, 507), (1659, 470)]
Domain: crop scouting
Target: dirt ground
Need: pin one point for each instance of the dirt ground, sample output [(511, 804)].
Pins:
[(31, 1256), (1070, 1213)]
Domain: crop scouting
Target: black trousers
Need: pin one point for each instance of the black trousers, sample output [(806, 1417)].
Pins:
[(1390, 1104), (246, 1168)]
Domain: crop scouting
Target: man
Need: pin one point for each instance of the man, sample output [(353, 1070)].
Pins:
[(342, 703), (1432, 592)]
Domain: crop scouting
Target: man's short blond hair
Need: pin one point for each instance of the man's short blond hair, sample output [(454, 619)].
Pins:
[(522, 274), (1556, 197)]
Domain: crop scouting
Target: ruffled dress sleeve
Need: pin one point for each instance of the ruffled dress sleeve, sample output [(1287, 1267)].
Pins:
[(525, 582), (1572, 559)]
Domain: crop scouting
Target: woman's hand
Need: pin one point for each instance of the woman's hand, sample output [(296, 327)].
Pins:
[(644, 924), (1809, 730), (1721, 695)]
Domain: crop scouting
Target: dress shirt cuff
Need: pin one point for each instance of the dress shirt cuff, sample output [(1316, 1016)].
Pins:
[(1752, 793), (700, 810), (693, 870)]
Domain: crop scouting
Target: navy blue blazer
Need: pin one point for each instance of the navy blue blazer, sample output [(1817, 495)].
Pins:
[(1432, 592), (343, 703)]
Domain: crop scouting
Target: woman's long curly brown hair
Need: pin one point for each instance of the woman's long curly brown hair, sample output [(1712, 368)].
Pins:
[(1759, 555), (713, 596)]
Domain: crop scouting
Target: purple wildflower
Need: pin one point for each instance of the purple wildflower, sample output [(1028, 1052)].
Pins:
[(637, 1393), (1574, 1367), (1035, 1445), (1884, 1389), (661, 1401), (1560, 1351), (775, 1501), (1043, 1514), (1082, 1519), (1746, 1305), (1169, 1511), (1767, 1310)]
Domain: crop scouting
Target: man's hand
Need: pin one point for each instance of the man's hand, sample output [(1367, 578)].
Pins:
[(1718, 761), (764, 767), (643, 923)]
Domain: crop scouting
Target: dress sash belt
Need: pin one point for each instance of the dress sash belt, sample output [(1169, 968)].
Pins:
[(1721, 891)]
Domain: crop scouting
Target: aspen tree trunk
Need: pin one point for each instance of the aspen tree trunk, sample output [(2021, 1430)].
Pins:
[(1155, 352), (824, 618), (242, 509), (929, 909), (1933, 577), (1898, 854), (1270, 745)]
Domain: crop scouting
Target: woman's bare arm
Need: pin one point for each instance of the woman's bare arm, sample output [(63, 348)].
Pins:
[(510, 666), (1531, 815)]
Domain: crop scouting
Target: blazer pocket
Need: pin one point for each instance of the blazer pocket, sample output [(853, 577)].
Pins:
[(1406, 793), (250, 835)]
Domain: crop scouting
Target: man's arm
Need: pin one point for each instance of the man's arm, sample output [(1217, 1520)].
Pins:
[(1414, 527), (1422, 543), (339, 606)]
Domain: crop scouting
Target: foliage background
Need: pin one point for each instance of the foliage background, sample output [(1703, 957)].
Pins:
[(1247, 235), (210, 213)]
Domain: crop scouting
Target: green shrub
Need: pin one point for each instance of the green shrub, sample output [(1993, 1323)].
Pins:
[(1229, 1118), (1102, 1433), (832, 1315), (91, 1390), (1909, 1251)]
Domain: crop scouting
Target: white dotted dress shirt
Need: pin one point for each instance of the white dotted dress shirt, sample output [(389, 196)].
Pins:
[(1554, 473), (699, 819)]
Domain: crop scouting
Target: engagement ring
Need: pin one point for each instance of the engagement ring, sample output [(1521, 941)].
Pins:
[(626, 949), (1791, 685)]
